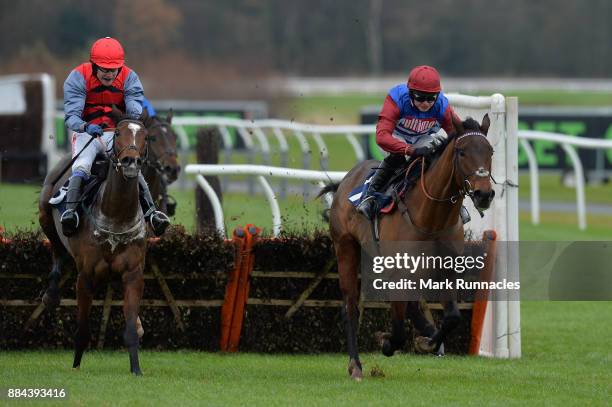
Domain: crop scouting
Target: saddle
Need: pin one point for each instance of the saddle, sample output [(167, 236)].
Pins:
[(404, 178)]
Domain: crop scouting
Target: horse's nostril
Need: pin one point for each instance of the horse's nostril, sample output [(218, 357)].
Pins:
[(139, 161), (126, 161)]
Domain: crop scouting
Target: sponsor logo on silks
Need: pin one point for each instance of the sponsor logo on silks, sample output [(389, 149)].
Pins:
[(416, 125)]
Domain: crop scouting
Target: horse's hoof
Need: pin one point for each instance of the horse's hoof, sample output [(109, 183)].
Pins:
[(137, 372), (76, 369), (387, 348), (354, 370), (422, 344)]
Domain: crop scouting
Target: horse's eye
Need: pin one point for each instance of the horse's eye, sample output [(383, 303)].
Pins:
[(151, 138), (461, 153)]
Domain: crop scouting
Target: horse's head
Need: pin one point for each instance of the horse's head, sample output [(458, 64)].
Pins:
[(473, 155), (162, 153), (129, 145)]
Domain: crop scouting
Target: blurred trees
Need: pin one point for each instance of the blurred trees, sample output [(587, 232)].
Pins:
[(321, 37)]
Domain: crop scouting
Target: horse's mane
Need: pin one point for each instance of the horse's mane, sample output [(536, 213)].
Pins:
[(471, 124)]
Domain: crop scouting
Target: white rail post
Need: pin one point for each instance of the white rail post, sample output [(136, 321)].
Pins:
[(534, 181), (579, 179), (215, 203)]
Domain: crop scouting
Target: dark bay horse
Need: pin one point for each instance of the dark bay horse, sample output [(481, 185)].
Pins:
[(428, 212), (110, 239), (161, 167)]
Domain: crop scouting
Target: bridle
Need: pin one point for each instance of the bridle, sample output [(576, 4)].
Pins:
[(466, 187), (115, 161)]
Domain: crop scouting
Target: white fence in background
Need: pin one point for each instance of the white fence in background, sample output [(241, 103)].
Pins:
[(569, 145), (261, 171), (255, 136)]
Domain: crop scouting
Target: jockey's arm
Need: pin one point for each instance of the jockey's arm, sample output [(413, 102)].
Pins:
[(387, 119), (74, 101), (134, 95), (447, 121)]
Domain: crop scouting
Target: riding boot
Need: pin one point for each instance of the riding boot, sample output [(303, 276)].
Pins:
[(70, 216), (368, 205), (157, 219)]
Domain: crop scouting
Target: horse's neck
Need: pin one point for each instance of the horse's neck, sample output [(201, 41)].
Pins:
[(440, 183), (119, 203)]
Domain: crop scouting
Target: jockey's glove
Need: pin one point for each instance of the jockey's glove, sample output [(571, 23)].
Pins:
[(425, 150), (94, 130)]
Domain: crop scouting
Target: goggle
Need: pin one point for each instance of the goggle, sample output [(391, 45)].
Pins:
[(107, 70), (424, 97)]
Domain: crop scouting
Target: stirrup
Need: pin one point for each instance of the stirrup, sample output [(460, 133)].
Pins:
[(67, 227), (367, 206), (465, 215), (162, 220)]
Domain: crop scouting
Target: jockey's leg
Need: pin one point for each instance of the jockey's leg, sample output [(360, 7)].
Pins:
[(382, 175), (70, 216), (81, 170), (157, 219)]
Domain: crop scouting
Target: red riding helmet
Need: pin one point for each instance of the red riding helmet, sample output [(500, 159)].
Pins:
[(107, 53), (424, 78)]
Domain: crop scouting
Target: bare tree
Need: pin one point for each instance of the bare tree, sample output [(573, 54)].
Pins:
[(374, 37)]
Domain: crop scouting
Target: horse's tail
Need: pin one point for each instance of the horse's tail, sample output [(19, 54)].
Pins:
[(332, 187), (329, 188)]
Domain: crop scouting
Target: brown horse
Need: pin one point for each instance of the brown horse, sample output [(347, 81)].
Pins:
[(429, 211), (161, 167), (110, 239)]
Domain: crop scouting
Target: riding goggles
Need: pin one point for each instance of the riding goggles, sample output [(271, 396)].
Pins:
[(423, 97)]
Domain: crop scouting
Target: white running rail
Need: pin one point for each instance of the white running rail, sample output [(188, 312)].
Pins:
[(261, 171)]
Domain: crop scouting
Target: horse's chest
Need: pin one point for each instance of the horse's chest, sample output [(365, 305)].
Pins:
[(123, 258)]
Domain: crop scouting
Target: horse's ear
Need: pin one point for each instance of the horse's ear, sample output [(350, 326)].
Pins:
[(458, 124), (486, 122), (116, 114), (169, 117)]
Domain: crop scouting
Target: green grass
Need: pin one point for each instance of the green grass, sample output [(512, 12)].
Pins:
[(566, 361), (551, 189)]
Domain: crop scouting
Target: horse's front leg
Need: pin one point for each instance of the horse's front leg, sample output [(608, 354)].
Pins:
[(397, 339), (133, 286), (84, 298), (452, 316)]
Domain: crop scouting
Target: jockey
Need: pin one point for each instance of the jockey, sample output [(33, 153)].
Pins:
[(90, 91), (408, 123)]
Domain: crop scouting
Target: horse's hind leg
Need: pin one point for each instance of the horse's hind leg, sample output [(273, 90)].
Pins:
[(348, 254), (84, 299), (51, 297), (133, 286), (397, 340)]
